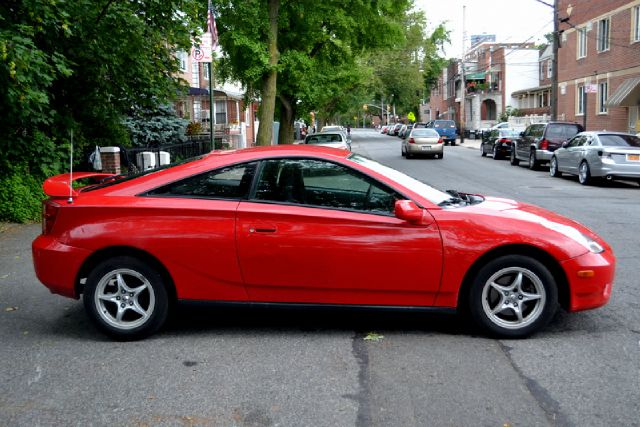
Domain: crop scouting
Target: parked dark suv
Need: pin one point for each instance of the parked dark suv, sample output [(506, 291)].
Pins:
[(539, 140)]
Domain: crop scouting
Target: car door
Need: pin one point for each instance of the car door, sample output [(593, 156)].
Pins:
[(574, 154), (315, 231), (523, 142)]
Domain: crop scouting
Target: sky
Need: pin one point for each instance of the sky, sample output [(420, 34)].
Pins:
[(513, 21)]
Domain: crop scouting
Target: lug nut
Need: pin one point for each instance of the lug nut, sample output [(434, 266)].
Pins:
[(123, 305)]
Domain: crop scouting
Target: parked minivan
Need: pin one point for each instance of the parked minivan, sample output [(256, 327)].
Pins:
[(539, 140), (446, 129)]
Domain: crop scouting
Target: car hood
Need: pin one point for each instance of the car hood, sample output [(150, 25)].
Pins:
[(533, 221)]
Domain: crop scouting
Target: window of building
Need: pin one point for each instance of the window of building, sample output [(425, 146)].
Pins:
[(582, 42), (580, 100), (603, 95), (181, 55), (221, 112), (541, 70), (549, 68), (195, 75), (196, 110), (603, 34), (635, 24)]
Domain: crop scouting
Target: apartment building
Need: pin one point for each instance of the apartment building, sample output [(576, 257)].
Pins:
[(599, 64)]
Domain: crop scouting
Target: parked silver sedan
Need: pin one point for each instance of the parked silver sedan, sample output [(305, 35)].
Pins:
[(329, 139), (423, 142), (609, 155)]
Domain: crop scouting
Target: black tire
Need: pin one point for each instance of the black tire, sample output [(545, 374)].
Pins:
[(441, 155), (509, 285), (513, 159), (402, 150), (584, 173), (453, 143), (533, 162), (134, 302), (553, 168), (482, 153), (494, 153)]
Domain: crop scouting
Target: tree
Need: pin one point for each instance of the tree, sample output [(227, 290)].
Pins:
[(76, 65)]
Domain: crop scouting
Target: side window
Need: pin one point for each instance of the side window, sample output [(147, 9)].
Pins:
[(323, 184), (576, 142), (232, 182)]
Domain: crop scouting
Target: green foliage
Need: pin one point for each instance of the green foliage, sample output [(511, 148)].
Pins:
[(20, 197), (194, 128), (509, 112), (156, 127)]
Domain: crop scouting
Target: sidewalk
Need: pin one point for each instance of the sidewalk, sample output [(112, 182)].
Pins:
[(474, 144)]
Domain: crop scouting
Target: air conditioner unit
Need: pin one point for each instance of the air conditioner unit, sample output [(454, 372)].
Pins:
[(165, 158), (146, 160)]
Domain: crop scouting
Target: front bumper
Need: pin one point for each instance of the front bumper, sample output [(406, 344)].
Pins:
[(57, 265), (590, 279)]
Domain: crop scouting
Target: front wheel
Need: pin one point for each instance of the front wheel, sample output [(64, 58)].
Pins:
[(513, 159), (513, 296), (553, 168), (482, 152), (126, 298)]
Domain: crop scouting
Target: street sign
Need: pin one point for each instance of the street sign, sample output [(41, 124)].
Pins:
[(591, 88), (201, 52)]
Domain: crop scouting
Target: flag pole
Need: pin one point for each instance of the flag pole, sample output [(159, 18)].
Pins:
[(212, 116)]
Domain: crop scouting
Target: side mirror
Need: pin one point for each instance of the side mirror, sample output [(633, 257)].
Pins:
[(565, 144), (408, 211), (521, 133)]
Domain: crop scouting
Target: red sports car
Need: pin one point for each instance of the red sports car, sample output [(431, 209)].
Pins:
[(315, 226)]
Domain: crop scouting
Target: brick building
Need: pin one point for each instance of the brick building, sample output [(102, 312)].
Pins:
[(232, 116), (599, 64)]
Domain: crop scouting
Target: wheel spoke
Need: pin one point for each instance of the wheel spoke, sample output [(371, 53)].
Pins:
[(138, 309), (501, 289), (120, 312), (526, 296)]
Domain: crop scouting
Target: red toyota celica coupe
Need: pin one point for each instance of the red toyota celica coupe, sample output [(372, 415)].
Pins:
[(314, 226)]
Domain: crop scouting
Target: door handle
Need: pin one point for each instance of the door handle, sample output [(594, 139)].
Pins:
[(262, 230)]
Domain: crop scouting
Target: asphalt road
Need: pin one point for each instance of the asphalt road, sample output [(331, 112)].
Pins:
[(294, 368)]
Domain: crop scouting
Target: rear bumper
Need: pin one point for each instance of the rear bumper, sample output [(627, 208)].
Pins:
[(543, 155), (616, 170), (57, 265), (418, 148), (590, 292)]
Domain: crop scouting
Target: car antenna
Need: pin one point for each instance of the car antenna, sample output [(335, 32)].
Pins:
[(70, 199)]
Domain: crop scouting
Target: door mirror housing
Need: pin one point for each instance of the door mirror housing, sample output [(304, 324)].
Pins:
[(408, 211)]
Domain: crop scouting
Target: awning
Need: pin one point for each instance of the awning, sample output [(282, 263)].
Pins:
[(195, 91), (475, 76), (627, 94)]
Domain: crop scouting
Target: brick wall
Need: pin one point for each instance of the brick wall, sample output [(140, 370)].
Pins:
[(620, 62)]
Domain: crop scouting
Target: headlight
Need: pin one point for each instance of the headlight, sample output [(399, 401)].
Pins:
[(593, 246)]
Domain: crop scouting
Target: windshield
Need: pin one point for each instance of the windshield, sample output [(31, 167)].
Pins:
[(324, 138), (426, 191)]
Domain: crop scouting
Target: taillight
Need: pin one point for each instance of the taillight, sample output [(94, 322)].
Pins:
[(412, 141), (504, 140), (49, 214), (440, 141), (544, 144)]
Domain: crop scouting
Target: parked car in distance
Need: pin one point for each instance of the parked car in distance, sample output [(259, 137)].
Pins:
[(329, 139), (384, 129), (423, 142), (417, 125), (498, 143), (394, 129), (446, 129), (539, 140), (336, 128), (609, 155), (404, 132), (482, 133), (314, 226)]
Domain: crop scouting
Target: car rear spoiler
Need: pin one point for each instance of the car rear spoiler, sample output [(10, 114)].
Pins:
[(60, 185)]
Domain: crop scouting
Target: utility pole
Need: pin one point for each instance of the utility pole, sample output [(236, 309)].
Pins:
[(554, 62), (463, 84)]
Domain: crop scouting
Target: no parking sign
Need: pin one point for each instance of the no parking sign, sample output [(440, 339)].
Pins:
[(201, 52)]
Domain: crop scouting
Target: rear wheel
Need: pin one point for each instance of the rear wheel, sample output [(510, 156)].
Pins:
[(533, 162), (513, 159), (126, 298), (513, 296), (584, 173), (553, 168), (494, 153), (482, 152), (453, 142)]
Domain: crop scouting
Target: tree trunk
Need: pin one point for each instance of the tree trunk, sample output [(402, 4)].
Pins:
[(268, 93), (287, 117)]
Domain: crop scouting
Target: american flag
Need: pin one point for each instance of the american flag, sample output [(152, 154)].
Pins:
[(211, 27)]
